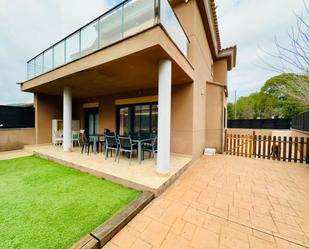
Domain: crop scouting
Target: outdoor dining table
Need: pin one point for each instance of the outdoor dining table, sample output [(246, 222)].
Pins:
[(140, 141), (95, 138)]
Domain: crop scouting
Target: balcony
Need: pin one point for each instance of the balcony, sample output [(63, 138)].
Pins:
[(124, 20)]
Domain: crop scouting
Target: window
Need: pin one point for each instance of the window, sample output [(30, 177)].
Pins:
[(137, 118)]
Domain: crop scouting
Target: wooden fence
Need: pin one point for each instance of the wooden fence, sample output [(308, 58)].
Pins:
[(291, 149)]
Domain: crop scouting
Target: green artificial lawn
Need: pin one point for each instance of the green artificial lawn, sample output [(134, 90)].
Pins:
[(46, 205)]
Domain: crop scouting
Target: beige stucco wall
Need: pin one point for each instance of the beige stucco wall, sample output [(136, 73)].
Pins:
[(201, 59), (46, 108), (215, 121), (220, 71), (13, 139)]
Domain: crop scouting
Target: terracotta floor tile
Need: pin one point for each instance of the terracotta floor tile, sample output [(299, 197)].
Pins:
[(188, 231), (194, 216), (140, 222), (125, 238), (140, 244), (153, 211), (257, 243), (155, 233), (263, 222), (110, 245), (291, 232), (204, 239), (174, 241), (178, 226)]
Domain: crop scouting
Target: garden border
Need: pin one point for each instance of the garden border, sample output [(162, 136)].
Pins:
[(103, 233)]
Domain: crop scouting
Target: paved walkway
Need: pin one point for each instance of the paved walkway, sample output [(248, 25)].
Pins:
[(226, 202)]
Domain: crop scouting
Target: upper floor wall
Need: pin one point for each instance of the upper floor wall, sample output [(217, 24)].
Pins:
[(204, 53)]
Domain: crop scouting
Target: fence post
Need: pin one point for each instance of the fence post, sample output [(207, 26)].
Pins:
[(269, 141), (254, 144), (301, 151), (225, 141), (279, 148), (284, 148), (296, 149), (264, 146), (307, 151), (274, 148), (290, 149), (259, 146)]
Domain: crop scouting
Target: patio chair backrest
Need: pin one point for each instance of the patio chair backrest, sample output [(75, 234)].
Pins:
[(110, 140), (155, 142), (144, 135), (83, 138), (107, 131), (58, 134), (125, 141), (75, 135)]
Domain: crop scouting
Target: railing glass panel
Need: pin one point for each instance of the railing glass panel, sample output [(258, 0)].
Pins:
[(39, 64), (111, 27), (173, 27), (72, 47), (48, 60), (138, 15), (59, 54), (31, 68), (89, 38)]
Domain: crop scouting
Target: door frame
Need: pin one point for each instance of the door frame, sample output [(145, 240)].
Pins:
[(87, 111)]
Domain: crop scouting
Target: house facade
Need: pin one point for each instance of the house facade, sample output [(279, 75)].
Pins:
[(143, 66)]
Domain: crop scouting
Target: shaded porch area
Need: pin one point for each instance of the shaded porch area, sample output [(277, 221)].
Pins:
[(139, 176)]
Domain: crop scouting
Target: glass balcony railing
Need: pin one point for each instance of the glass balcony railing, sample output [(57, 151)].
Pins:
[(124, 20)]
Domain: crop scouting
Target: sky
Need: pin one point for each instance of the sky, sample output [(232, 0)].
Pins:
[(27, 27), (253, 25)]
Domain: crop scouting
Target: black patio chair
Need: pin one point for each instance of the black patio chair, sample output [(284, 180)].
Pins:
[(85, 143), (152, 148), (111, 143), (126, 145)]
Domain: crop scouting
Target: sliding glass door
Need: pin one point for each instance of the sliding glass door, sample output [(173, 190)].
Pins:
[(91, 121), (137, 118)]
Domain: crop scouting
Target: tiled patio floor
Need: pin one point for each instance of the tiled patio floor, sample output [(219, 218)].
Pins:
[(139, 176), (226, 202), (14, 154)]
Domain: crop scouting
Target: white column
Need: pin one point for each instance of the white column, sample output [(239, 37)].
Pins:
[(164, 116), (67, 119)]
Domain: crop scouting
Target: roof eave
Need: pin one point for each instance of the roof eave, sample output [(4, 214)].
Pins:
[(230, 55)]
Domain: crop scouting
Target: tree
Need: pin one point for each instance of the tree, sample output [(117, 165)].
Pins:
[(230, 111), (293, 59), (283, 103), (271, 102)]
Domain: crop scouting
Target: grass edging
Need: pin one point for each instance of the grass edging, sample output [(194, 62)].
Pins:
[(105, 232)]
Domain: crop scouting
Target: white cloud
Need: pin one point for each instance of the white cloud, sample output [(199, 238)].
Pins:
[(252, 25)]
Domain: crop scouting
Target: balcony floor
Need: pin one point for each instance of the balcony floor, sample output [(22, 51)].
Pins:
[(139, 176)]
